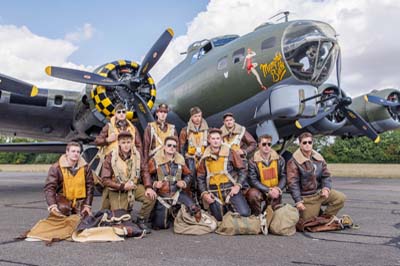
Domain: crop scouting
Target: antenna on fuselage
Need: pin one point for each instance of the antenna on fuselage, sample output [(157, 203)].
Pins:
[(285, 15)]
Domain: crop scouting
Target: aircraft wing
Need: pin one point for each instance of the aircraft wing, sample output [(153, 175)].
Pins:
[(40, 147)]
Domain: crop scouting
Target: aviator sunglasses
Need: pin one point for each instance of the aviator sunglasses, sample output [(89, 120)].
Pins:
[(266, 143), (306, 142), (171, 145), (121, 111)]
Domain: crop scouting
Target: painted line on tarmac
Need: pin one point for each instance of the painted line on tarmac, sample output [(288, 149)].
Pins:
[(23, 205), (310, 263), (18, 263)]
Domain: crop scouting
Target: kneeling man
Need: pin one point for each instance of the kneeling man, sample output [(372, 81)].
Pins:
[(310, 182)]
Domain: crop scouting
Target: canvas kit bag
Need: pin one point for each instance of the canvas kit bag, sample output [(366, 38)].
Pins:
[(186, 224)]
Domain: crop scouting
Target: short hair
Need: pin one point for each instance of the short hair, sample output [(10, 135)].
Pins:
[(171, 138), (265, 136), (214, 130), (119, 106), (73, 144), (125, 135), (305, 135), (162, 107), (195, 110)]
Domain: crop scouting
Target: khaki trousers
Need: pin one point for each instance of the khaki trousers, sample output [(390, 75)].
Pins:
[(114, 200), (313, 204)]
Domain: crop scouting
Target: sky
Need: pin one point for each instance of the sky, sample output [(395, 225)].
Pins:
[(86, 34)]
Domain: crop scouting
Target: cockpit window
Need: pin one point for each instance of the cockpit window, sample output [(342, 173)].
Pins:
[(310, 49), (223, 41), (202, 51), (268, 43)]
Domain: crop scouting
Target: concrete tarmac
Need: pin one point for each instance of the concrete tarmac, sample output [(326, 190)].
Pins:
[(374, 204)]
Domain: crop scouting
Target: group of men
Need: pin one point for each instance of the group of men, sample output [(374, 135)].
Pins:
[(219, 169)]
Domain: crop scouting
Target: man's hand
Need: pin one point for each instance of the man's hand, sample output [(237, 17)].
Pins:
[(150, 193), (181, 184), (208, 198), (129, 186), (158, 184), (234, 190), (273, 193), (56, 212), (325, 193), (86, 211), (111, 138), (300, 206)]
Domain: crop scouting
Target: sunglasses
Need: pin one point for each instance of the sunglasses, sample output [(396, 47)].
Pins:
[(266, 143), (171, 145), (121, 111), (306, 142)]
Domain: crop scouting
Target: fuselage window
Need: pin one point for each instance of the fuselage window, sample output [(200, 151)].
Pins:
[(238, 55), (194, 58), (222, 63), (268, 43)]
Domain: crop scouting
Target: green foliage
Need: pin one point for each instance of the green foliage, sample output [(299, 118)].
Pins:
[(363, 150), (25, 158)]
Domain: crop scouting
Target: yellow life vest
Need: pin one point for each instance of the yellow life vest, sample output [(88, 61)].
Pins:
[(112, 128), (74, 186), (268, 174), (197, 142), (217, 171), (158, 136), (235, 139)]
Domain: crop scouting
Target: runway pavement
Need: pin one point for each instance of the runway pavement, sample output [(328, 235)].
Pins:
[(374, 204)]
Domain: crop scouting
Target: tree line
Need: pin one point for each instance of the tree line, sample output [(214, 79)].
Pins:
[(334, 150)]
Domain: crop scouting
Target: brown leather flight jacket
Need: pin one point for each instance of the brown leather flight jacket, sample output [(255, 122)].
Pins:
[(101, 139), (248, 144), (107, 174), (54, 185), (305, 176), (235, 168), (254, 174), (169, 168), (147, 146)]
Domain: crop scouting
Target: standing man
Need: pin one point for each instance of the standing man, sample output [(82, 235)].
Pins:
[(156, 133), (310, 181), (70, 178), (170, 175), (120, 174), (193, 142), (108, 137), (267, 177), (220, 177), (237, 137)]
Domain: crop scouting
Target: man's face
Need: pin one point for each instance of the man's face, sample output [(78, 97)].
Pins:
[(73, 153), (215, 140), (196, 118), (306, 144), (120, 114), (229, 122), (170, 147), (125, 144), (162, 116), (265, 145)]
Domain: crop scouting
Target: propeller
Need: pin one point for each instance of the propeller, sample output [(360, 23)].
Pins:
[(341, 104), (131, 85), (380, 101), (17, 86)]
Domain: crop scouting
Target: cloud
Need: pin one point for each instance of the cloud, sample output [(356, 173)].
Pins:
[(366, 29), (81, 34), (24, 55)]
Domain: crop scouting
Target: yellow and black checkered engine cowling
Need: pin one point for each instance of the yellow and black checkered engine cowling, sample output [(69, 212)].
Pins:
[(105, 100)]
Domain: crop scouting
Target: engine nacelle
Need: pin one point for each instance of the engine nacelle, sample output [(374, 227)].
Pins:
[(104, 99)]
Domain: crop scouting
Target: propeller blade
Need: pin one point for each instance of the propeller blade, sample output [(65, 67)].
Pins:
[(361, 124), (339, 71), (154, 54), (142, 111), (305, 122), (380, 101), (17, 86), (81, 76)]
